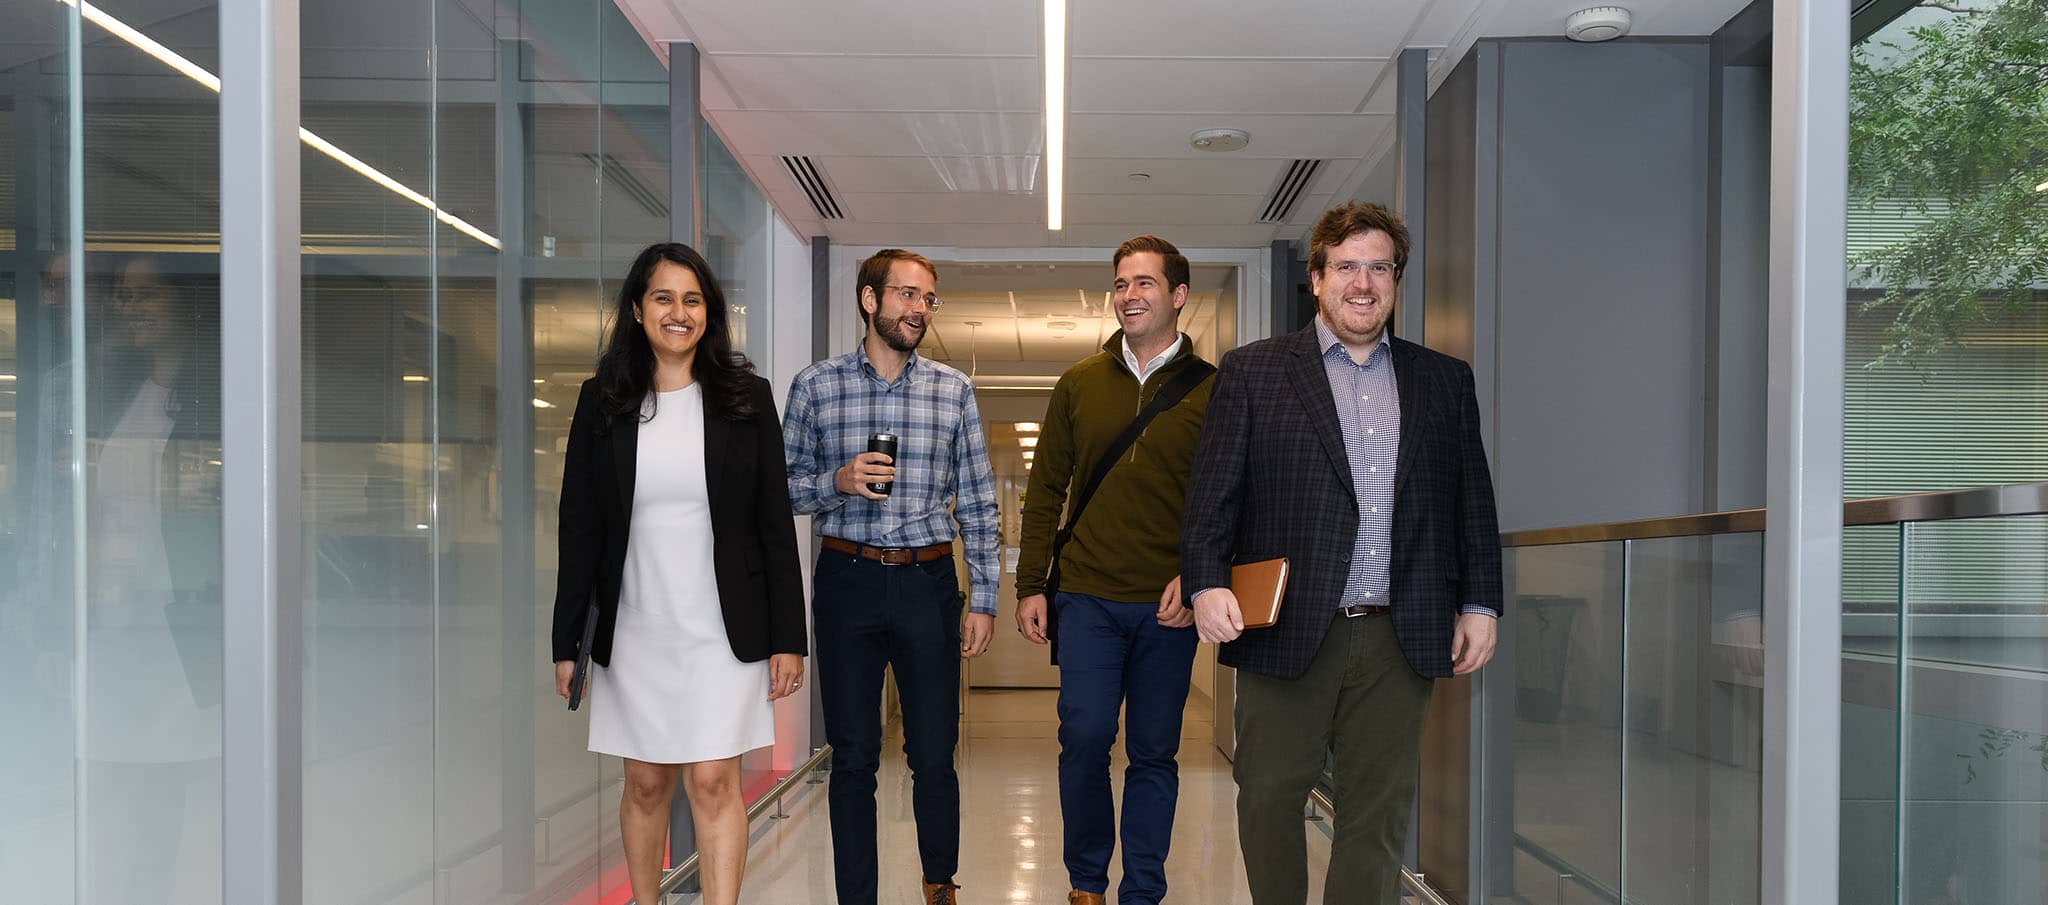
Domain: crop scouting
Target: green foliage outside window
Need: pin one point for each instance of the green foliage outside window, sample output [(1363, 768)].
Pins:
[(1951, 121)]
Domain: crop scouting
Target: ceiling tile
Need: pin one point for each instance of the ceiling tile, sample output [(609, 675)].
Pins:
[(1211, 173), (882, 134), (808, 26), (1177, 210), (1225, 28), (1221, 85), (1273, 135), (786, 82), (956, 207), (926, 174)]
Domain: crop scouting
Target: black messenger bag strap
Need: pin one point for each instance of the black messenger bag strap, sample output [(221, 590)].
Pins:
[(1168, 396)]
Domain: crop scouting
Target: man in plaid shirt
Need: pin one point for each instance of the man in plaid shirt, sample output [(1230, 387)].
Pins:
[(886, 593)]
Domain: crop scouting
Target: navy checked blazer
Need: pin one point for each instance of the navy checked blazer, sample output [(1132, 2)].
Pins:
[(1271, 479)]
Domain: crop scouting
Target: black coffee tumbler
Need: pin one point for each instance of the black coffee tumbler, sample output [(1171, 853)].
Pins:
[(886, 445)]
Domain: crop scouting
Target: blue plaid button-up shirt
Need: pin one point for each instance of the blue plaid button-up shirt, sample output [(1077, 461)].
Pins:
[(942, 470)]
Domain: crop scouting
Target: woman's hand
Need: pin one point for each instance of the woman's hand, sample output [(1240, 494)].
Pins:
[(564, 671), (785, 675)]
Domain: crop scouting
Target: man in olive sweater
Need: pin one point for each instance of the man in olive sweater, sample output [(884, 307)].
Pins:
[(1125, 637)]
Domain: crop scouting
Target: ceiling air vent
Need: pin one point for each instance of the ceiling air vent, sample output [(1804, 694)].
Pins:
[(1292, 185), (806, 173)]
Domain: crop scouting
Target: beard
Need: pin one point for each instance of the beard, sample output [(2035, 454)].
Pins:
[(890, 329)]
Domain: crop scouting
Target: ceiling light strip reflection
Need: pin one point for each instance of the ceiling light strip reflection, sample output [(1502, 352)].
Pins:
[(192, 70), (1055, 111)]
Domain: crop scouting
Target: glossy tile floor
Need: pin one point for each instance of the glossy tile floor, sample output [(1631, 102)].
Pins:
[(1010, 820)]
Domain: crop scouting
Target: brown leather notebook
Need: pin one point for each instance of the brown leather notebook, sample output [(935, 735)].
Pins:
[(1259, 587)]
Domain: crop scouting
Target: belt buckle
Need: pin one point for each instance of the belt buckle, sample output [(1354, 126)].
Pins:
[(1359, 610), (896, 556)]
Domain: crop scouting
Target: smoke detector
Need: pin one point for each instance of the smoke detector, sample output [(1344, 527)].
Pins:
[(1601, 23), (1220, 139)]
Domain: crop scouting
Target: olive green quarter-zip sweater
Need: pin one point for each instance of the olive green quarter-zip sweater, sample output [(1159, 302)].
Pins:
[(1127, 546)]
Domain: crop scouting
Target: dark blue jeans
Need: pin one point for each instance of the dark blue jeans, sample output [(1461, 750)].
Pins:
[(1117, 656), (868, 616)]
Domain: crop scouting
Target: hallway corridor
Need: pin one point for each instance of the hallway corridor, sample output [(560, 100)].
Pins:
[(1010, 820)]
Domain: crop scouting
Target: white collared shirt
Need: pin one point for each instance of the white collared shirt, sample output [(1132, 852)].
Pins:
[(1151, 367)]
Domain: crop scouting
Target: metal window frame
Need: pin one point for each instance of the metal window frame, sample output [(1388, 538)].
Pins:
[(262, 819), (1801, 832)]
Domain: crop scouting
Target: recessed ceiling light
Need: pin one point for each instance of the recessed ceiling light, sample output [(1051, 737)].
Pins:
[(1027, 442), (1140, 177), (1060, 326), (1220, 140), (1027, 427)]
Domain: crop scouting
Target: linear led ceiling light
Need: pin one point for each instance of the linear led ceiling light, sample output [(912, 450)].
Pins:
[(196, 73), (1055, 110)]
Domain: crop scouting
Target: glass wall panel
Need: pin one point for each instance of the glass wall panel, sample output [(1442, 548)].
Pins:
[(1947, 376), (1947, 388), (109, 204), (1870, 713), (1565, 806), (736, 242), (371, 348), (1694, 703), (1973, 750)]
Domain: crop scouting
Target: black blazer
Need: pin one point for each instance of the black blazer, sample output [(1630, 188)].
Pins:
[(753, 535), (1272, 478)]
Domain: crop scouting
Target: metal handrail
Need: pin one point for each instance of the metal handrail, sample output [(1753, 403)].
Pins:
[(1943, 505), (686, 871)]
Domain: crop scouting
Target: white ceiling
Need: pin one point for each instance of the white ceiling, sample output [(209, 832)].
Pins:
[(925, 115)]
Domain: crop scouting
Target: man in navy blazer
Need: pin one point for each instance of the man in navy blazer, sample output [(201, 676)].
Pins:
[(1356, 456)]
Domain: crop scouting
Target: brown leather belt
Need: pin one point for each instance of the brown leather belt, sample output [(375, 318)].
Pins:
[(889, 556)]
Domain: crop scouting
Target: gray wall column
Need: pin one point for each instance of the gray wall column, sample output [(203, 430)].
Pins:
[(1411, 118), (821, 299), (262, 808), (1803, 486), (515, 485), (1287, 309), (821, 349), (685, 79)]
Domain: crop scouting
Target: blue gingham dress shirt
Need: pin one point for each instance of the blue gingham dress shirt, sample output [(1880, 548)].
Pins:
[(1368, 399), (942, 470), (1369, 410)]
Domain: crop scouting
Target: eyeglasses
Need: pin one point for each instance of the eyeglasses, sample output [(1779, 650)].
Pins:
[(908, 295), (1348, 269)]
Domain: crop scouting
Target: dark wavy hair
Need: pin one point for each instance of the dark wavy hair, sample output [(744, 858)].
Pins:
[(625, 373)]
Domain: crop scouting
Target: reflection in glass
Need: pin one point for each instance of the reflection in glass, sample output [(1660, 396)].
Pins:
[(1566, 800), (111, 400)]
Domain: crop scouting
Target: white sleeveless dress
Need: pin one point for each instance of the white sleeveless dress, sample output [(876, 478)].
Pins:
[(674, 693)]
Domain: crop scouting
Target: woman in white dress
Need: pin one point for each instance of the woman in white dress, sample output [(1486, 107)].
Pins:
[(675, 524)]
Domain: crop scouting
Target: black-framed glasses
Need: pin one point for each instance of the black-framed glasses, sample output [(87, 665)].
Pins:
[(908, 295)]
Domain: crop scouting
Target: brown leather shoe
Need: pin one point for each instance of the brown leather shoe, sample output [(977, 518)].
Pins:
[(940, 894), (1078, 897)]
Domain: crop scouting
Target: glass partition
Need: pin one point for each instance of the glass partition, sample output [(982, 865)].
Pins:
[(1692, 749), (1870, 712), (1564, 805), (1973, 733), (1635, 769), (110, 537)]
